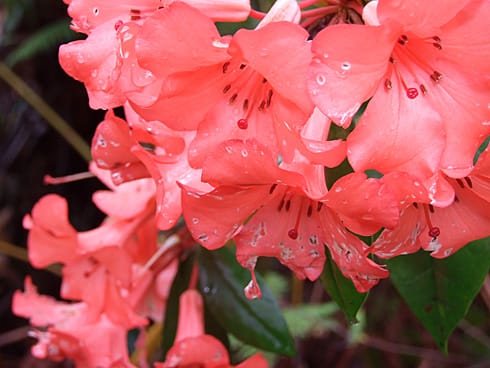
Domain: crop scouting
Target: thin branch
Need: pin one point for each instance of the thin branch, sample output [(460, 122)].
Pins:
[(20, 253), (51, 116)]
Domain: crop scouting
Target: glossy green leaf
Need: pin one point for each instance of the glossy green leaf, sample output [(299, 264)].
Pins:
[(341, 290), (258, 322), (440, 291)]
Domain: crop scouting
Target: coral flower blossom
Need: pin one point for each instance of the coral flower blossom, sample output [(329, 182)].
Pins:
[(426, 69), (194, 348), (443, 230), (294, 217), (229, 87)]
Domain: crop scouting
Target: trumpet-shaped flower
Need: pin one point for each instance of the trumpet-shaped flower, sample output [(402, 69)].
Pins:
[(425, 67)]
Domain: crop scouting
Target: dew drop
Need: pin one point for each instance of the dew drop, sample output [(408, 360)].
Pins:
[(195, 220), (320, 79), (229, 149), (244, 153), (96, 11), (252, 290), (203, 237), (345, 66), (220, 44)]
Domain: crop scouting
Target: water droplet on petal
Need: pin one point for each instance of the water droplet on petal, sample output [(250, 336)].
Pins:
[(252, 290), (195, 220), (320, 79), (345, 66), (244, 153)]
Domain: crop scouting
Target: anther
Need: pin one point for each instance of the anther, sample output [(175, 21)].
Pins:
[(225, 66), (319, 206), (242, 66), (431, 208), (261, 106), (460, 183), (242, 123), (437, 39), (269, 98), (388, 84), (281, 204), (227, 88), (403, 40), (245, 104), (264, 80), (468, 181), (423, 89), (437, 45), (273, 187), (436, 76), (288, 205), (309, 212), (233, 98)]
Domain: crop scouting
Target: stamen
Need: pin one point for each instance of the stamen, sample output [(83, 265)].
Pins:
[(48, 179), (242, 124), (225, 67), (434, 231), (245, 105), (403, 40), (273, 187), (436, 76), (293, 234)]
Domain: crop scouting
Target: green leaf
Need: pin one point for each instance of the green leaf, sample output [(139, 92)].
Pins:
[(258, 322), (46, 38), (341, 289), (440, 291)]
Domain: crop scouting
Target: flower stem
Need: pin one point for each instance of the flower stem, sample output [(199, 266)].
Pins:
[(51, 117), (20, 253)]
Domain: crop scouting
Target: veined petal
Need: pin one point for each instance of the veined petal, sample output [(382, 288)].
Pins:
[(420, 16), (348, 65), (165, 42), (282, 59), (364, 205), (408, 136), (213, 218)]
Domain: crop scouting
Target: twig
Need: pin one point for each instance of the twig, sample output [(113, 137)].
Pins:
[(51, 116), (20, 253)]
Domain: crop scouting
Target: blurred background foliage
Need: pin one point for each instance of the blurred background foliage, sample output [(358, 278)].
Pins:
[(387, 334)]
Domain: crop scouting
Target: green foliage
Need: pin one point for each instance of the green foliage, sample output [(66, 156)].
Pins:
[(47, 38), (341, 290), (440, 291), (259, 322)]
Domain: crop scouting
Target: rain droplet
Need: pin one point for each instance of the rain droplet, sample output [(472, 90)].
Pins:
[(345, 66), (320, 79), (252, 290), (244, 153), (195, 220)]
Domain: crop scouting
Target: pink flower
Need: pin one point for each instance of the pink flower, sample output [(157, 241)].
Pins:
[(192, 347), (427, 79), (443, 230), (70, 332), (294, 217), (230, 88)]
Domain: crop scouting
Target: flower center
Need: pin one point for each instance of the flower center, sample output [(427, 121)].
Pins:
[(246, 89), (409, 59)]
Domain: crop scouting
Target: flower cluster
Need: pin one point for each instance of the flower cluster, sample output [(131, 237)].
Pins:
[(243, 136)]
